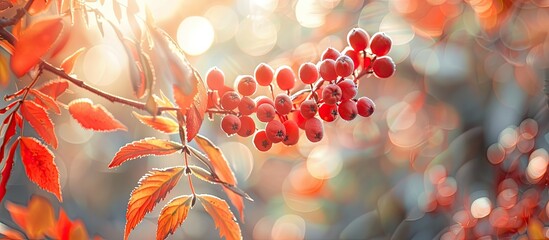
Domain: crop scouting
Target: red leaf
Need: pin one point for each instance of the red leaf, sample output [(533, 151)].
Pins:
[(144, 147), (136, 68), (4, 71), (222, 170), (39, 6), (78, 231), (10, 131), (152, 188), (184, 77), (173, 215), (63, 226), (195, 115), (18, 214), (68, 64), (163, 124), (33, 43), (40, 121), (6, 171), (45, 101), (94, 117), (54, 88), (222, 216), (11, 234), (39, 166)]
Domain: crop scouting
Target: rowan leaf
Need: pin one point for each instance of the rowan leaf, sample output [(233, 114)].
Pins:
[(94, 117), (11, 234), (163, 124), (6, 171), (45, 101), (63, 226), (223, 218), (173, 215), (195, 114), (222, 170), (68, 64), (10, 132), (183, 76), (39, 165), (40, 217), (78, 231), (18, 214), (40, 121), (142, 148), (33, 43), (4, 71), (136, 67), (54, 88), (152, 188)]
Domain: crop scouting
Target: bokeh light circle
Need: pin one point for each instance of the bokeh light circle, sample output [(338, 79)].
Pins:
[(195, 35)]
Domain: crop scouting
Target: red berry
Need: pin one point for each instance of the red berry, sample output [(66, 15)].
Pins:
[(247, 126), (246, 106), (344, 66), (262, 99), (308, 73), (384, 67), (275, 131), (285, 78), (380, 44), (327, 70), (213, 99), (292, 132), (331, 94), (328, 112), (348, 89), (215, 78), (347, 110), (355, 56), (230, 124), (283, 104), (264, 74), (265, 113), (230, 100), (358, 39), (308, 108), (313, 129), (246, 85), (330, 53), (261, 142), (365, 106), (298, 118)]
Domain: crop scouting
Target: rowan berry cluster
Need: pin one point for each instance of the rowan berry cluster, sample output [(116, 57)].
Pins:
[(329, 91)]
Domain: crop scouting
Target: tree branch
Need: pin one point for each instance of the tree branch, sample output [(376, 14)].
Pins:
[(18, 15), (59, 72)]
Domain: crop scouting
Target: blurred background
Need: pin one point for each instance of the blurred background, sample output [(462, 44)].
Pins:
[(457, 147)]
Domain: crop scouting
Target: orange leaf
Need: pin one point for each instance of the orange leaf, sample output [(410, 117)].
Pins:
[(136, 68), (40, 217), (93, 117), (173, 215), (163, 124), (68, 64), (4, 71), (6, 171), (195, 115), (152, 188), (40, 121), (78, 231), (222, 216), (39, 6), (54, 88), (184, 77), (45, 101), (39, 165), (18, 214), (144, 147), (11, 234), (33, 43), (222, 170)]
